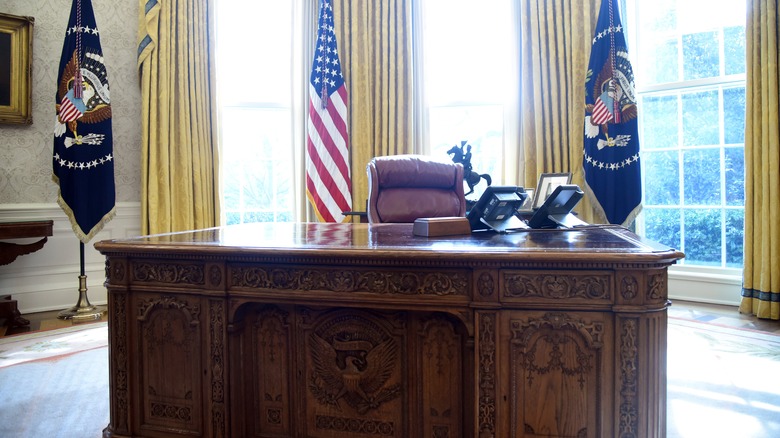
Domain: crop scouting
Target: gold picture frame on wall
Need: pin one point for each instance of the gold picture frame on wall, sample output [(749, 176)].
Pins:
[(16, 37)]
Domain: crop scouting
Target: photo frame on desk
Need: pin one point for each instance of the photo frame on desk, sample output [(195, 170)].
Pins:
[(548, 182), (16, 36)]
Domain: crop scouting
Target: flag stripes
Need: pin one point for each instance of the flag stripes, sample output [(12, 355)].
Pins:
[(328, 183), (601, 113)]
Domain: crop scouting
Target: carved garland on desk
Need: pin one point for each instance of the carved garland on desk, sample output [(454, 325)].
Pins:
[(487, 375), (629, 363), (170, 273), (524, 351), (523, 331), (340, 280), (216, 328), (557, 286), (119, 345)]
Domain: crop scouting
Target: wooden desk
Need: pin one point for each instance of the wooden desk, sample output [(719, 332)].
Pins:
[(9, 251), (358, 330), (21, 230)]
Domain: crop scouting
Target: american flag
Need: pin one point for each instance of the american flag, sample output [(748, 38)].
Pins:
[(328, 183)]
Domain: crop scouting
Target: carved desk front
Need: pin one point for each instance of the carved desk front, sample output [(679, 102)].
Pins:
[(359, 330)]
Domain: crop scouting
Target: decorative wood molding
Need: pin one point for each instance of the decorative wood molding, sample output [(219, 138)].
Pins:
[(629, 373), (487, 374), (393, 282), (557, 286)]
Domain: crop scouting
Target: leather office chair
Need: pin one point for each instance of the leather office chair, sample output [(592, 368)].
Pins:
[(402, 188)]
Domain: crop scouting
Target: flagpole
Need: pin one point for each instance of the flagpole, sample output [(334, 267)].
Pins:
[(83, 310)]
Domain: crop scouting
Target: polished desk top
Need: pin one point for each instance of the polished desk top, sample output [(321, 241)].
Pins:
[(611, 242)]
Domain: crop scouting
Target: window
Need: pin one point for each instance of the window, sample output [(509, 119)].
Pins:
[(255, 95), (689, 59), (470, 83), (469, 93)]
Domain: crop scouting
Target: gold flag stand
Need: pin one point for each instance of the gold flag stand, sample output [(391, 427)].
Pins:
[(83, 310)]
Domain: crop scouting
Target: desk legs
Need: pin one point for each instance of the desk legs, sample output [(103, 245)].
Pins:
[(10, 316)]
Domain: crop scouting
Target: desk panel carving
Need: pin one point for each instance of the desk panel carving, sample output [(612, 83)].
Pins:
[(469, 336), (335, 279)]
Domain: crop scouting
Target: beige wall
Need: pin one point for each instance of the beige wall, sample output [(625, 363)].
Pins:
[(25, 151)]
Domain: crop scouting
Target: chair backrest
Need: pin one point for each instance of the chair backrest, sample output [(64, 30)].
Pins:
[(402, 188)]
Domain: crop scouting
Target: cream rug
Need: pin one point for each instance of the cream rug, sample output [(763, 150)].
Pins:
[(45, 344)]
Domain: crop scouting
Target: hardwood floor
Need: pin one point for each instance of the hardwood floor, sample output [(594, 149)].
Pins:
[(711, 313), (45, 321), (722, 315)]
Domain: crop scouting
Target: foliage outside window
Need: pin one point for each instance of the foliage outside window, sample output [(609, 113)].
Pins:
[(690, 63), (254, 86)]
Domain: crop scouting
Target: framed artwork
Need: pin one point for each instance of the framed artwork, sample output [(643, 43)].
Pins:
[(548, 182), (16, 36)]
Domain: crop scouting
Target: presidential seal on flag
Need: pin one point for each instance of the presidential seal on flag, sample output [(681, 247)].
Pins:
[(611, 142), (83, 159)]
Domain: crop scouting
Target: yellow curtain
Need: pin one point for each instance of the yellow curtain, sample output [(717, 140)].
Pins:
[(375, 46), (179, 162), (555, 48), (761, 276)]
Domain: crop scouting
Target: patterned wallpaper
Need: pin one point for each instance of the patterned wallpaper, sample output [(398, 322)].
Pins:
[(25, 150)]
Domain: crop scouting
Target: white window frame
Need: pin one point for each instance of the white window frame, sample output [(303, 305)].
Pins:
[(716, 285)]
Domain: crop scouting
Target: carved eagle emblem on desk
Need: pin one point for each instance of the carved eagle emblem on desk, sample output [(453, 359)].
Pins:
[(354, 370)]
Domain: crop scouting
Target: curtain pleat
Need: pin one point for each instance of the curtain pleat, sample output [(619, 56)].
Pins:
[(375, 45), (180, 166), (555, 47), (761, 272)]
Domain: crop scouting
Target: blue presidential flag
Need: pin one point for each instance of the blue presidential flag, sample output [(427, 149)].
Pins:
[(611, 150), (83, 158)]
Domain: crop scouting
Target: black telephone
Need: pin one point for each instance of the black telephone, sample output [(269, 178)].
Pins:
[(496, 209), (556, 210)]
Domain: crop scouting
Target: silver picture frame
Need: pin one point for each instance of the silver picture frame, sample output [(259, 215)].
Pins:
[(547, 184)]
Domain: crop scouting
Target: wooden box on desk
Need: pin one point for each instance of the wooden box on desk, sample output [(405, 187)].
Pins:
[(441, 226)]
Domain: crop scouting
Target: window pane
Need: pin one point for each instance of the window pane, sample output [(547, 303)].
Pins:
[(663, 187), (658, 16), (700, 118), (735, 237), (254, 41), (734, 49), (702, 244), (256, 158), (735, 175), (700, 55), (659, 121), (701, 175), (255, 89), (663, 225), (692, 124), (734, 115), (660, 61), (465, 42)]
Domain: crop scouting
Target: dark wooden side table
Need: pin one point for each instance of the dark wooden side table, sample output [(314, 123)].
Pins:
[(9, 311)]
